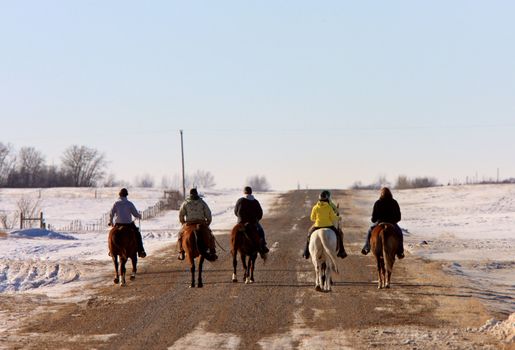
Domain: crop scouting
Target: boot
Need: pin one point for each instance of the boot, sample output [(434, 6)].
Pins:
[(341, 249), (400, 252), (366, 248), (181, 251), (342, 253), (262, 247), (141, 250), (306, 251), (212, 254)]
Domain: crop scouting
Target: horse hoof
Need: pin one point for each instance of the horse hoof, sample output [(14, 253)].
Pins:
[(235, 280), (387, 286), (116, 281), (200, 285), (318, 289), (123, 284), (133, 277)]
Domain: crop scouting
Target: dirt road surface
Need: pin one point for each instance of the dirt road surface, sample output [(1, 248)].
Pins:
[(424, 309)]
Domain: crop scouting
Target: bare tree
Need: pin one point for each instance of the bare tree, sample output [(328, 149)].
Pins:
[(29, 207), (7, 162), (258, 183), (203, 179), (7, 221), (29, 168), (85, 165), (145, 181)]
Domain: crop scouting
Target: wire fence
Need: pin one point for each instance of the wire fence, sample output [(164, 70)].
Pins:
[(102, 223)]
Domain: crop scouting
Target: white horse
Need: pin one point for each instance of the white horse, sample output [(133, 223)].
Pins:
[(322, 248)]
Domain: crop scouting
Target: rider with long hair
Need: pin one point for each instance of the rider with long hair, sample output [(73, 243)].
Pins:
[(387, 210)]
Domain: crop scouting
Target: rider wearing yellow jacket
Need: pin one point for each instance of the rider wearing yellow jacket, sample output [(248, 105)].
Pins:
[(324, 215)]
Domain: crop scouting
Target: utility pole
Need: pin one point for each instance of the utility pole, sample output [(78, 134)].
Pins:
[(183, 180)]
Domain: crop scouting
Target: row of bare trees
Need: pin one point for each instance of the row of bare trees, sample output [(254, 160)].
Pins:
[(402, 182), (81, 166)]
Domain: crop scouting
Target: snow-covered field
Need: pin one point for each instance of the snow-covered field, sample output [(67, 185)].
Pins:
[(470, 228), (58, 264)]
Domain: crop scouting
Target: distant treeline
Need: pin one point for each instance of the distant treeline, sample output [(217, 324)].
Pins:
[(80, 166), (402, 182)]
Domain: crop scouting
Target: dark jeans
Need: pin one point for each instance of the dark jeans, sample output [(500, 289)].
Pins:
[(261, 232), (397, 229)]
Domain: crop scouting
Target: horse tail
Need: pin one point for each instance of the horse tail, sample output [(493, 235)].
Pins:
[(331, 254), (388, 257), (115, 239)]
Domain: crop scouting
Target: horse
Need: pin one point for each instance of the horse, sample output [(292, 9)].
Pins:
[(384, 242), (322, 248), (245, 240), (196, 240), (122, 243)]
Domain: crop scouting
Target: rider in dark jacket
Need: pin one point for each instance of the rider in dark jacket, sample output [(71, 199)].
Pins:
[(249, 211), (386, 209)]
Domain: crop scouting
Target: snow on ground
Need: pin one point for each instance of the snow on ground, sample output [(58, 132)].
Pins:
[(59, 264), (470, 228)]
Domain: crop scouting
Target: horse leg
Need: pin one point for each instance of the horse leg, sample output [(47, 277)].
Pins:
[(379, 276), (200, 264), (389, 269), (245, 269), (383, 273), (318, 274), (252, 264), (192, 270), (123, 261), (117, 275), (234, 264), (134, 261), (327, 277)]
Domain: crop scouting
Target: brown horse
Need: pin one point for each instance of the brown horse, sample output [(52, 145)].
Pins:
[(122, 243), (384, 242), (245, 240), (196, 241)]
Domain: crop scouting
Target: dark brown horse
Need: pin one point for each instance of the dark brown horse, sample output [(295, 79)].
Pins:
[(384, 243), (196, 242), (122, 243), (245, 240)]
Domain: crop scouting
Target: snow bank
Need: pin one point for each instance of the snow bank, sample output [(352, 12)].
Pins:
[(40, 233)]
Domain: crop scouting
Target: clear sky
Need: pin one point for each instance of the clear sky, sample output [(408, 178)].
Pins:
[(316, 93)]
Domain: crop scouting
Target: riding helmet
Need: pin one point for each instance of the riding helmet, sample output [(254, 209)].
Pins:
[(324, 195)]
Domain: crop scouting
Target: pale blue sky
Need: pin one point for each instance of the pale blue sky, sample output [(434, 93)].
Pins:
[(320, 93)]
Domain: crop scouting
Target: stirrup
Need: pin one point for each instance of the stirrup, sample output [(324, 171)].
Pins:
[(365, 251), (400, 255), (181, 255)]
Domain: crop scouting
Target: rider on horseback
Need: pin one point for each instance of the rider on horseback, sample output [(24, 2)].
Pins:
[(195, 211), (124, 210), (386, 209), (324, 214), (249, 211)]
